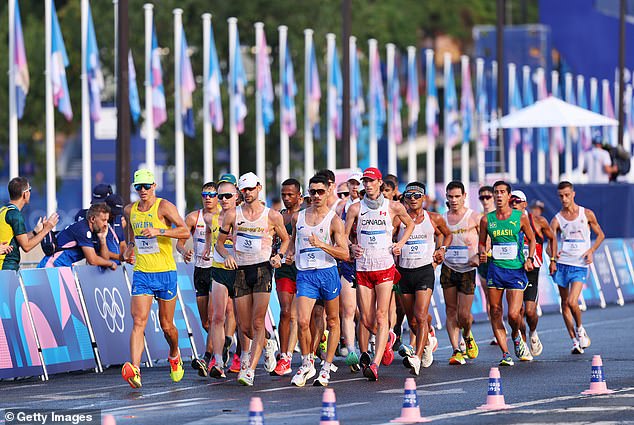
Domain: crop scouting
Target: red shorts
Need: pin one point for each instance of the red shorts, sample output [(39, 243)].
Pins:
[(370, 279), (284, 284)]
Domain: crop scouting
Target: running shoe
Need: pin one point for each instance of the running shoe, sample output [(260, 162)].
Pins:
[(431, 339), (371, 372), (131, 374), (462, 346), (225, 349), (246, 378), (176, 368), (388, 354), (428, 356), (200, 366), (210, 366), (507, 360), (352, 360), (472, 346), (536, 345), (365, 359), (283, 366), (235, 364), (397, 343), (323, 379), (413, 364), (494, 341), (584, 339), (576, 347), (372, 348), (269, 355), (217, 372), (323, 344), (521, 350), (304, 373), (457, 358), (406, 350)]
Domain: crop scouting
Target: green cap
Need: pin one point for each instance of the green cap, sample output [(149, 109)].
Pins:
[(228, 178), (143, 176)]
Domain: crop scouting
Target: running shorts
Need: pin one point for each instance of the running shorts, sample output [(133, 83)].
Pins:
[(285, 284), (417, 279), (566, 274), (370, 279), (225, 278), (319, 284), (501, 278), (531, 292), (162, 285), (253, 278), (463, 282), (202, 281)]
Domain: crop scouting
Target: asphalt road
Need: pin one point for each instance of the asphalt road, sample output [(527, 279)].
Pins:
[(546, 390)]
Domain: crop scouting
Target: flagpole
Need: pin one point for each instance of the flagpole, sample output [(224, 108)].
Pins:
[(554, 148), (526, 153), (431, 139), (352, 49), (605, 88), (541, 154), (411, 140), (464, 147), (233, 129), (208, 164), (260, 138), (85, 112), (374, 148), (627, 104), (51, 196), (580, 148), (391, 143), (331, 160), (13, 113), (179, 138), (284, 139), (512, 148), (448, 160), (480, 82), (309, 161), (149, 102), (568, 152)]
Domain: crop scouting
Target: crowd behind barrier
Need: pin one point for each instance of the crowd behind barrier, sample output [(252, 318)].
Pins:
[(64, 319)]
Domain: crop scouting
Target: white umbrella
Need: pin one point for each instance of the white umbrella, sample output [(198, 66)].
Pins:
[(554, 112)]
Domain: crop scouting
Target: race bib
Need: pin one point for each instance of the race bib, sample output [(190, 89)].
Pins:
[(574, 247), (505, 251), (525, 251), (457, 254), (248, 243), (374, 239), (311, 258), (146, 245), (414, 250)]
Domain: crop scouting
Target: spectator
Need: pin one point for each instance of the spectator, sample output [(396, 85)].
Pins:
[(99, 194), (83, 239), (598, 164), (12, 228)]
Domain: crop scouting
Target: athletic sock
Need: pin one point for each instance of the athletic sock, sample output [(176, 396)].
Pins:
[(219, 360), (326, 366), (207, 356)]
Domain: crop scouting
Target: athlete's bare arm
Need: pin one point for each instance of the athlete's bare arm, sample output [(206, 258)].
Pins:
[(339, 208), (444, 236), (176, 226), (398, 210), (596, 228), (190, 222), (277, 223), (128, 254), (351, 217), (228, 222), (290, 251), (525, 226), (484, 234), (340, 249), (548, 233)]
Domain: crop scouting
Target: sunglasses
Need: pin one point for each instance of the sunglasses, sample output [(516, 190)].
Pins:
[(343, 194), (313, 192), (146, 186), (413, 195), (226, 195), (27, 190), (208, 194), (247, 189), (485, 197)]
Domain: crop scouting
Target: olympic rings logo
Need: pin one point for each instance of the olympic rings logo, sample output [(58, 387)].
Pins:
[(111, 308)]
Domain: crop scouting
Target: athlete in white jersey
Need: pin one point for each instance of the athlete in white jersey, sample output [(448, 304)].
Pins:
[(253, 227), (458, 273), (574, 223), (318, 241), (416, 265), (375, 220)]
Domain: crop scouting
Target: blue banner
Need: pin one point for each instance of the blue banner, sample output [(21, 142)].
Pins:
[(188, 295), (601, 264), (18, 347), (622, 252), (59, 319)]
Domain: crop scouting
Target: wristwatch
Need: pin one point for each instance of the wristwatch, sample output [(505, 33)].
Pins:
[(531, 258)]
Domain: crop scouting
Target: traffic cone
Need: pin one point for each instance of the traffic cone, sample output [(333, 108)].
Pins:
[(495, 398), (410, 412), (256, 411), (597, 379), (328, 408)]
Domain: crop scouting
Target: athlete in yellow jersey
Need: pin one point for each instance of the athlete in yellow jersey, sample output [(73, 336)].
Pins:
[(153, 222)]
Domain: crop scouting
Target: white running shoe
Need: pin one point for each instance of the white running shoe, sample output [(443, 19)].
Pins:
[(584, 339), (462, 346), (304, 373), (428, 356), (323, 379), (269, 355), (413, 362), (576, 347), (536, 345), (246, 378)]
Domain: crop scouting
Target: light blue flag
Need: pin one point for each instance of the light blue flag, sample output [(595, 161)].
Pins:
[(135, 104)]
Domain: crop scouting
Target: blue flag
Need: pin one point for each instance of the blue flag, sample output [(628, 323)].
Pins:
[(135, 104)]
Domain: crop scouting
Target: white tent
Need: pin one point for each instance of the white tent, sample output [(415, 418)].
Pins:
[(554, 112)]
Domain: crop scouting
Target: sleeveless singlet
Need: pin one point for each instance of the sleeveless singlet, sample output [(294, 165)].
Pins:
[(154, 254), (576, 239), (418, 251), (539, 244), (218, 261), (374, 235), (507, 240), (199, 234), (307, 257), (464, 244), (253, 241)]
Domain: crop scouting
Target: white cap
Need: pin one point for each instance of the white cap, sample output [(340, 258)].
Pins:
[(248, 180), (356, 177), (519, 194)]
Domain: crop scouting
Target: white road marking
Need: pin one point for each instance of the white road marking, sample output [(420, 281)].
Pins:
[(435, 384), (290, 387)]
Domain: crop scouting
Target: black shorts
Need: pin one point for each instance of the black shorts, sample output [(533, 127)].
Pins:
[(202, 281), (252, 279), (225, 278), (483, 270), (464, 282), (531, 292), (417, 279)]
